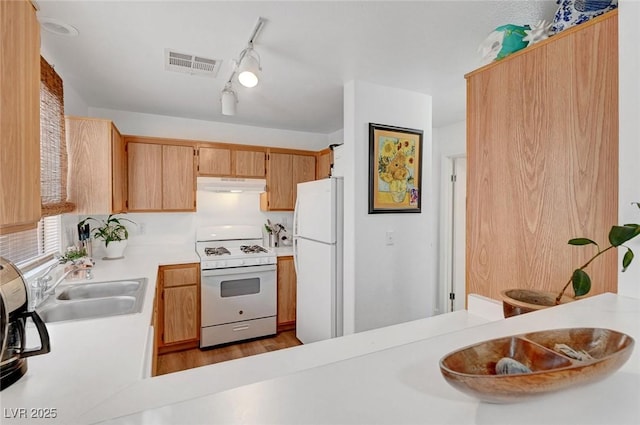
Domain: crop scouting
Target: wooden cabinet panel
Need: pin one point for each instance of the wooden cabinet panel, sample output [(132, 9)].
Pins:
[(286, 293), (178, 178), (161, 176), (323, 164), (279, 181), (180, 276), (231, 161), (214, 162), (144, 183), (304, 170), (542, 151), (20, 122), (178, 305), (96, 158), (284, 172), (249, 164), (180, 311), (119, 170)]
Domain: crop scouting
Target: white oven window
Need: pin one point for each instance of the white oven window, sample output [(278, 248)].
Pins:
[(238, 287)]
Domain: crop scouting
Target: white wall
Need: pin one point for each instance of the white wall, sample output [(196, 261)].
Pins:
[(180, 228), (74, 104), (385, 285), (629, 34), (134, 123)]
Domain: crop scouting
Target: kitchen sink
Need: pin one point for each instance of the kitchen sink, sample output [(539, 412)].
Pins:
[(102, 289), (95, 300)]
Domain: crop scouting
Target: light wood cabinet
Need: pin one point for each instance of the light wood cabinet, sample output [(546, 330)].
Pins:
[(96, 176), (542, 147), (286, 294), (324, 161), (161, 177), (178, 306), (284, 172), (214, 162), (250, 163), (231, 161), (20, 122), (178, 178)]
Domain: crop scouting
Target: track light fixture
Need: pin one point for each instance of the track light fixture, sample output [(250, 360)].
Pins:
[(229, 99), (247, 68)]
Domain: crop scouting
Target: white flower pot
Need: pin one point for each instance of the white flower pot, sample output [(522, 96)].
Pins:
[(115, 249)]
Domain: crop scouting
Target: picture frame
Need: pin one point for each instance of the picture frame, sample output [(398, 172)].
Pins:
[(395, 169)]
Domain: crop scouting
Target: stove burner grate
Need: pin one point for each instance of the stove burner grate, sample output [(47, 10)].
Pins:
[(252, 249), (220, 250)]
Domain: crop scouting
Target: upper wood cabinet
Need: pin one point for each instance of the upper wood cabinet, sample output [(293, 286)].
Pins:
[(161, 177), (20, 122), (284, 171), (96, 181), (231, 161), (214, 161), (542, 147), (323, 164)]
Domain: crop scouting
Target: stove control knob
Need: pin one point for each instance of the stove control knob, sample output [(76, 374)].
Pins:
[(241, 262)]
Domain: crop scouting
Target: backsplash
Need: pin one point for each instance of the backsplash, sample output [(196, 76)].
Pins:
[(180, 228)]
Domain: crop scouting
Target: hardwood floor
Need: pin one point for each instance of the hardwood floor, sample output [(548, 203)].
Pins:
[(182, 360)]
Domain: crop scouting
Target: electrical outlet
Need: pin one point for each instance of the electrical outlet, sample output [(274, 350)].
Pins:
[(389, 237), (142, 228)]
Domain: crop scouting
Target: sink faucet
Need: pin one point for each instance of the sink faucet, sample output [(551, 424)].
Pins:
[(50, 290), (42, 290)]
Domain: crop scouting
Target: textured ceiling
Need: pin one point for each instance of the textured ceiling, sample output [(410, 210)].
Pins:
[(308, 51)]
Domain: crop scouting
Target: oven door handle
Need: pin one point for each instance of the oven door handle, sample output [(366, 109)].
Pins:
[(238, 270)]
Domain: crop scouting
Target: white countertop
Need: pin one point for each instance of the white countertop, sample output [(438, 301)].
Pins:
[(90, 360), (402, 384), (96, 370)]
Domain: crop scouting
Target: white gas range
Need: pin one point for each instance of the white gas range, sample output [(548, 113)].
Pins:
[(238, 284)]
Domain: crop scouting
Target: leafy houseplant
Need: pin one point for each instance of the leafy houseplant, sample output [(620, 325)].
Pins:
[(112, 232), (72, 255), (110, 229), (618, 235)]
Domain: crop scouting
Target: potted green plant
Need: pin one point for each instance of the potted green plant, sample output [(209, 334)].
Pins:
[(113, 233), (519, 301)]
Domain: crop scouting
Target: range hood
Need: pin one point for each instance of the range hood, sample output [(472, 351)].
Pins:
[(229, 184)]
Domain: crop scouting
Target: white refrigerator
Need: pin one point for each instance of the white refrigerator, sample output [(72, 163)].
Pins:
[(317, 252)]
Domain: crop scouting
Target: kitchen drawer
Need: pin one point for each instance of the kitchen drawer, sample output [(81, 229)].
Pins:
[(180, 275), (237, 331)]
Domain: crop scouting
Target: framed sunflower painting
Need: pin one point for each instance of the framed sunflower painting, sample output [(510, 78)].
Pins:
[(395, 169)]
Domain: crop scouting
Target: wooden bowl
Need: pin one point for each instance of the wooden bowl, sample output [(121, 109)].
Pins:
[(472, 369)]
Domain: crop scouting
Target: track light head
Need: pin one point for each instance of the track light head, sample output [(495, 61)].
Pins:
[(228, 100), (249, 68)]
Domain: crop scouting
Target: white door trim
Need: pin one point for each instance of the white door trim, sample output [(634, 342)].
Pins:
[(446, 234)]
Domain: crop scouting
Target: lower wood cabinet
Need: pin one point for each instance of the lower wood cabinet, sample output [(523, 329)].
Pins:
[(286, 294), (178, 307)]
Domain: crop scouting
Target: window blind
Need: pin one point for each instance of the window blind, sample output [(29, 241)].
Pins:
[(53, 149), (24, 247)]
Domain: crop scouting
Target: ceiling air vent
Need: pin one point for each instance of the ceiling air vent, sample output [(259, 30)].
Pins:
[(191, 64)]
